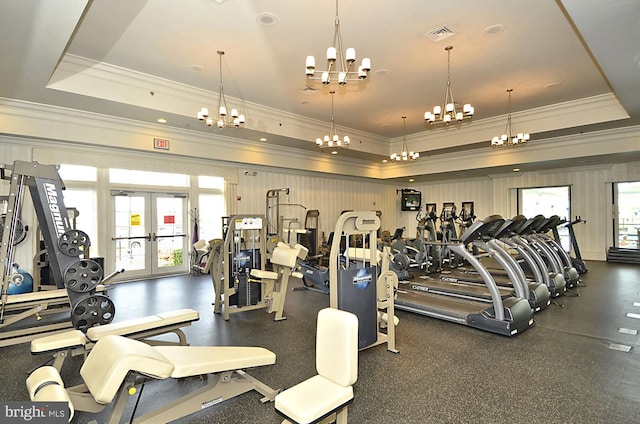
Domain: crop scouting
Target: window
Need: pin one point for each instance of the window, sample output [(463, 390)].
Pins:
[(211, 207), (547, 201), (129, 176), (78, 173), (216, 183), (85, 202), (627, 205)]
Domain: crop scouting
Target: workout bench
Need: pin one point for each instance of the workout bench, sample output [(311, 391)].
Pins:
[(75, 342), (118, 365)]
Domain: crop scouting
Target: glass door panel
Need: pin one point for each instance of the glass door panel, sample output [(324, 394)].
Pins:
[(132, 236), (169, 234)]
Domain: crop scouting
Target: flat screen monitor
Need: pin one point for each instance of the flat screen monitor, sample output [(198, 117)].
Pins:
[(411, 200)]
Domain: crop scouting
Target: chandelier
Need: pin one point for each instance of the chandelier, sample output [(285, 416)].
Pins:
[(333, 140), (339, 63), (509, 138), (223, 117), (405, 154), (447, 113)]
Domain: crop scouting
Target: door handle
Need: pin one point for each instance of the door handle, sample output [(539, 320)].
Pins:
[(147, 237)]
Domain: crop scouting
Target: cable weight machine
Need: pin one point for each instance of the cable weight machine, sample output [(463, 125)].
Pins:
[(76, 277)]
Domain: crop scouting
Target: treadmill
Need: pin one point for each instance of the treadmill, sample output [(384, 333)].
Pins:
[(509, 274), (509, 316), (530, 235), (531, 259), (571, 274)]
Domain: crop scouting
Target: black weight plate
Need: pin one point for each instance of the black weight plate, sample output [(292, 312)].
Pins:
[(74, 243), (401, 261), (83, 276), (94, 310)]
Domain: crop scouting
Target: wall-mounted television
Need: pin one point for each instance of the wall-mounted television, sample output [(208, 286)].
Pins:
[(411, 200)]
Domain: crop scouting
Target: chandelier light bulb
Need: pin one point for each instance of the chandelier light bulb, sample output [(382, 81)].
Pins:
[(350, 55), (311, 63), (332, 54)]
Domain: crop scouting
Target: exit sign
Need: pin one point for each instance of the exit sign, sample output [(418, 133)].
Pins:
[(160, 143)]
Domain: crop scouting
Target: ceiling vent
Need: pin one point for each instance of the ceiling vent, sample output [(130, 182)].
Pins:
[(439, 34)]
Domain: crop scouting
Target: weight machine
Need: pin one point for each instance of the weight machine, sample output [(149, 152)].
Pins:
[(245, 283), (232, 289), (361, 284), (275, 221), (77, 277)]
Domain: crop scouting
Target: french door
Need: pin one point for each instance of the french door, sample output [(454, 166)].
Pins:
[(149, 236)]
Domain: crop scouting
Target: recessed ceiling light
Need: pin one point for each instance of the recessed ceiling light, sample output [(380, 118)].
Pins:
[(263, 139), (494, 30), (516, 169), (334, 152), (382, 72), (411, 180), (267, 19), (196, 68), (385, 160), (162, 120)]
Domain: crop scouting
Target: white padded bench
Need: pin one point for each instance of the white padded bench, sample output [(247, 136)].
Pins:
[(76, 342), (109, 375)]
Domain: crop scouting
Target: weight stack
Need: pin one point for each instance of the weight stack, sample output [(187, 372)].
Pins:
[(357, 294)]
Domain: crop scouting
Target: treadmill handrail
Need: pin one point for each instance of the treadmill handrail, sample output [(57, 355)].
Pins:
[(496, 299)]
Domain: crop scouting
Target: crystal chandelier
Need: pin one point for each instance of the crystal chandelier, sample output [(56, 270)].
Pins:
[(509, 138), (333, 140), (448, 113), (405, 154), (224, 117), (339, 63)]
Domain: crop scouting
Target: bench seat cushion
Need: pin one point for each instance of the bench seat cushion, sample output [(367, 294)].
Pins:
[(113, 357), (266, 275), (311, 399), (138, 325), (197, 360), (59, 341)]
